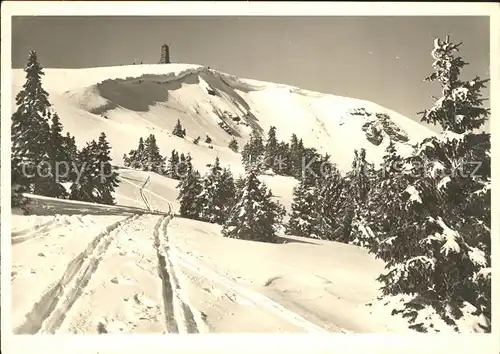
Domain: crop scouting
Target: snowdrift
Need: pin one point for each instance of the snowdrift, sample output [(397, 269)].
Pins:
[(40, 205)]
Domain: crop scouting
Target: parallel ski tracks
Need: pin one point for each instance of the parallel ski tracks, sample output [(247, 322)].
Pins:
[(179, 316), (49, 312)]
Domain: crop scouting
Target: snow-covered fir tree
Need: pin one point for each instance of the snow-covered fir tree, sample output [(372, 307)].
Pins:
[(314, 166), (227, 191), (153, 160), (179, 130), (184, 166), (97, 180), (211, 197), (59, 161), (239, 183), (30, 134), (303, 216), (172, 165), (190, 188), (283, 165), (233, 145), (108, 180), (331, 205), (362, 176), (69, 146), (82, 188), (255, 216), (136, 158), (271, 150), (253, 152), (297, 156), (434, 235)]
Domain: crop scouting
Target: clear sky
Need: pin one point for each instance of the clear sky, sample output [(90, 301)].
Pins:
[(380, 59)]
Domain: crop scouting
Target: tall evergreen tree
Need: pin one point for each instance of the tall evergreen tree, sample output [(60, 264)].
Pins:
[(253, 152), (172, 165), (185, 166), (211, 197), (189, 191), (332, 206), (227, 192), (83, 187), (283, 164), (58, 157), (271, 150), (30, 134), (153, 159), (434, 235), (139, 159), (69, 146), (108, 179), (239, 183), (297, 156), (303, 216)]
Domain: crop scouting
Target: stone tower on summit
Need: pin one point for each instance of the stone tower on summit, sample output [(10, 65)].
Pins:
[(165, 55)]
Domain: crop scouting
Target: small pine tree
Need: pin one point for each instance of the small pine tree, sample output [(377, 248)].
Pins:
[(233, 145), (179, 130), (255, 216), (208, 139)]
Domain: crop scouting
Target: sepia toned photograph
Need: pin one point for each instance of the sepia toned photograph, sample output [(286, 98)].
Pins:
[(249, 174)]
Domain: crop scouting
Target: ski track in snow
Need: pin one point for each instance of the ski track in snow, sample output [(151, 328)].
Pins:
[(38, 231), (49, 312), (87, 298), (100, 293), (179, 315)]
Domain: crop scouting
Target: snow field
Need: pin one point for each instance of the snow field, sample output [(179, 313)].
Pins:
[(39, 264)]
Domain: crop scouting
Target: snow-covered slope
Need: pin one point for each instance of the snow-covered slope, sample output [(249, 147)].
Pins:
[(127, 102)]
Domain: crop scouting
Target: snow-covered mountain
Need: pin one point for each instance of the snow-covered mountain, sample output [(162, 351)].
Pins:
[(127, 102)]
